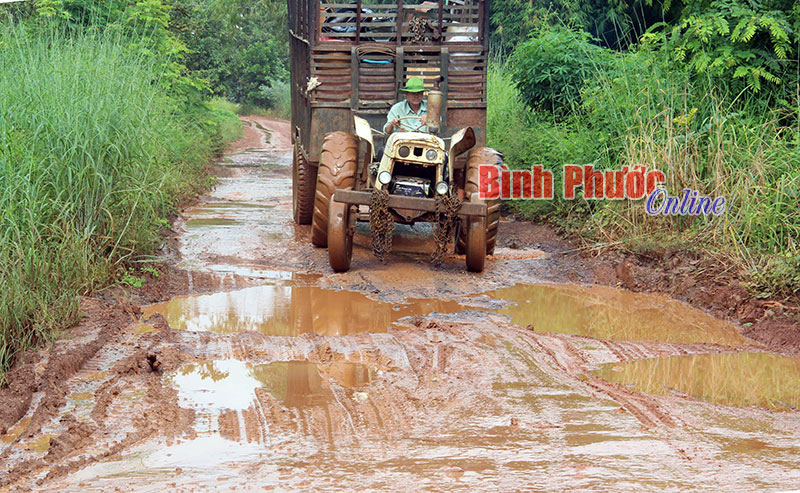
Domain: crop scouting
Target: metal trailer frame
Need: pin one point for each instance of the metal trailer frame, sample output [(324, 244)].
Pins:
[(346, 64)]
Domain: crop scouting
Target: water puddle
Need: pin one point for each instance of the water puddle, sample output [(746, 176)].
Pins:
[(231, 384), (289, 311), (295, 306), (254, 271), (211, 208), (741, 379), (193, 224), (15, 430), (209, 462), (40, 445), (142, 328), (608, 313)]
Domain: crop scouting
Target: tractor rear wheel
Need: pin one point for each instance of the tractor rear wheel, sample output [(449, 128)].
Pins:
[(304, 179), (340, 236), (338, 164), (480, 156)]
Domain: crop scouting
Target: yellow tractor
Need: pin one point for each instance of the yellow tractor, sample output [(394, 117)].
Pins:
[(347, 69)]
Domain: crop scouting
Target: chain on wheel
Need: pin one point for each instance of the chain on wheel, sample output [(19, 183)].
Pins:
[(447, 207), (381, 223)]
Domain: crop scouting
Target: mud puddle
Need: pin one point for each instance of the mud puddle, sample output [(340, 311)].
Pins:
[(348, 396), (608, 313), (230, 385), (290, 311), (298, 307), (742, 379)]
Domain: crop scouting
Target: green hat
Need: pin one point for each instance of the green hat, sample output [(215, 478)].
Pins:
[(414, 84)]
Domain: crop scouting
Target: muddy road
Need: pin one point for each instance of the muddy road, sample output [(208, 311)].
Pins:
[(248, 365)]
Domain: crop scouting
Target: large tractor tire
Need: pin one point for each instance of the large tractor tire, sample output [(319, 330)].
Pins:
[(340, 235), (476, 243), (480, 156), (338, 164), (304, 179)]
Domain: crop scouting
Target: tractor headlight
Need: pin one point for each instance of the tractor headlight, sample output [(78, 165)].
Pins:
[(442, 188), (385, 177), (431, 155), (404, 151)]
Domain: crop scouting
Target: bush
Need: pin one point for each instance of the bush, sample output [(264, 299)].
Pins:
[(530, 137), (224, 122), (551, 69), (93, 155), (639, 108), (278, 99)]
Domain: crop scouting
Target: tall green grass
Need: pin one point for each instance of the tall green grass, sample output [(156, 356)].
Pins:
[(93, 155), (637, 110)]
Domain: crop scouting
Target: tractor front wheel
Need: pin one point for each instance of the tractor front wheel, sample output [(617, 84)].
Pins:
[(338, 164), (340, 236)]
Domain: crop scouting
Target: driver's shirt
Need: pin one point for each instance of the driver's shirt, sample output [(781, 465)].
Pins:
[(403, 109)]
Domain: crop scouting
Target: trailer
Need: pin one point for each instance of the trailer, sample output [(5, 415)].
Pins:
[(348, 63)]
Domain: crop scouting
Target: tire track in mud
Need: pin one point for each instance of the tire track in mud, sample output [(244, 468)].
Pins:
[(438, 401)]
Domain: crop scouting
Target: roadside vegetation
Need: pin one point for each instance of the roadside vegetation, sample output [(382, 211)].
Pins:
[(241, 47), (103, 131), (109, 111), (705, 91)]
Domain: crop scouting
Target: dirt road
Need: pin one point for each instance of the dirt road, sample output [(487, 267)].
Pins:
[(248, 365)]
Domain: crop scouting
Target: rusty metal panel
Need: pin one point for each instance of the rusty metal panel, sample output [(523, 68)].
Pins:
[(333, 75), (411, 203), (399, 23), (458, 118), (325, 121), (367, 82), (300, 68)]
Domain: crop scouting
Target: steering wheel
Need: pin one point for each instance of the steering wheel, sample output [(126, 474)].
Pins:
[(415, 129)]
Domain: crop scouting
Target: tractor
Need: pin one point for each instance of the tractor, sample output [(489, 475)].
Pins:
[(348, 63)]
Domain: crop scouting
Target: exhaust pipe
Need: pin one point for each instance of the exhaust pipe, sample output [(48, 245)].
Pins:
[(435, 100)]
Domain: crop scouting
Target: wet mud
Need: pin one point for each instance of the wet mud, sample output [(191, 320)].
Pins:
[(253, 366), (744, 379)]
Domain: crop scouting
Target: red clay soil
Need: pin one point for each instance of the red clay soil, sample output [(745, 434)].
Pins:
[(435, 372), (698, 280)]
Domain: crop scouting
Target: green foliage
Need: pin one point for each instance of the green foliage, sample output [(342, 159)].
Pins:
[(278, 98), (703, 132), (527, 137), (93, 156), (146, 24), (50, 9), (240, 47), (616, 24), (734, 40), (131, 279), (223, 122), (778, 276), (149, 21), (551, 68)]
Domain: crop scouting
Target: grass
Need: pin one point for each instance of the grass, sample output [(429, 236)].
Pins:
[(279, 100), (230, 127), (636, 111), (93, 155)]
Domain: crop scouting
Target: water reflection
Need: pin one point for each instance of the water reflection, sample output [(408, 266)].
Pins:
[(289, 311), (608, 313), (231, 384), (741, 379)]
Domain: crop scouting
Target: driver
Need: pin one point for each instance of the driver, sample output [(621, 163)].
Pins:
[(414, 106)]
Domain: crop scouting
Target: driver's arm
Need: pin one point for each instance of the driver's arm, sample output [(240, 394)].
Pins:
[(392, 121)]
